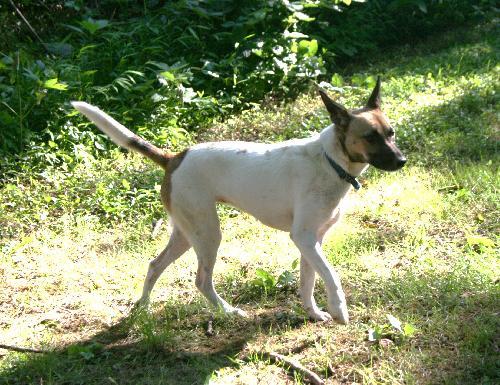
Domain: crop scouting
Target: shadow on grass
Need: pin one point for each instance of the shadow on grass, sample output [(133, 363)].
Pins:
[(455, 313), (147, 348), (456, 316)]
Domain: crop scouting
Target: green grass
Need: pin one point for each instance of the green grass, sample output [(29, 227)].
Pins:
[(420, 244)]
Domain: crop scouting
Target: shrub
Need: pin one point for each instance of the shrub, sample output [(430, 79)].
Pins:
[(169, 68)]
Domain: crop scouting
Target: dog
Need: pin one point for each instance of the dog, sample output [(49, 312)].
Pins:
[(294, 186)]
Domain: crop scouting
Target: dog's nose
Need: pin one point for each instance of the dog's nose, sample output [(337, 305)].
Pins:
[(401, 162)]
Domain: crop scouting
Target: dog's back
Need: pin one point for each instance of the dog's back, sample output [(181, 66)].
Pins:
[(262, 179)]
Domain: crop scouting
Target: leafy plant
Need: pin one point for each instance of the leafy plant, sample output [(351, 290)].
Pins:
[(270, 284), (220, 57), (479, 243), (393, 331), (85, 352)]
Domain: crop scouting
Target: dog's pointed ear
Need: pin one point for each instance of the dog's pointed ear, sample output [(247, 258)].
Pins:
[(338, 113), (374, 101)]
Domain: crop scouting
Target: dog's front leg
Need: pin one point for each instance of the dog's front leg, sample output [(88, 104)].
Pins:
[(307, 280), (311, 252)]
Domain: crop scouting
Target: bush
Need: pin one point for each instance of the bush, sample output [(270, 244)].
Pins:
[(170, 67)]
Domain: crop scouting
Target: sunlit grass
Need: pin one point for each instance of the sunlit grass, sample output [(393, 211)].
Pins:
[(420, 244)]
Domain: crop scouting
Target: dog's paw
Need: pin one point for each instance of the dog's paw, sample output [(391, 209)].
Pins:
[(339, 314), (239, 312), (230, 310), (141, 304), (319, 316)]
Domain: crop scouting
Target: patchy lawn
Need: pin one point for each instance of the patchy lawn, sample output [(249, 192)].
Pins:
[(417, 251)]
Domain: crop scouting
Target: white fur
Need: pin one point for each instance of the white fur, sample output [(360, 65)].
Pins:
[(116, 131), (289, 186)]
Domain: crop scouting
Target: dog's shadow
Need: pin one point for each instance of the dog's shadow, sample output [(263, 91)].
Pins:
[(160, 345)]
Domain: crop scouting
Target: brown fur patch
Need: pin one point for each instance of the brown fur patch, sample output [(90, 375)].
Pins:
[(173, 162), (365, 121), (222, 199), (149, 150)]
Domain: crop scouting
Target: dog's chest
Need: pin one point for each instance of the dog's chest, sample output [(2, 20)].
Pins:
[(276, 197)]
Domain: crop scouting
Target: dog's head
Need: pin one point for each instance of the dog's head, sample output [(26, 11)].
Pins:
[(366, 134)]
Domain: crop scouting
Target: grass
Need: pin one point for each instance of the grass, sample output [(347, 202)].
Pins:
[(420, 245)]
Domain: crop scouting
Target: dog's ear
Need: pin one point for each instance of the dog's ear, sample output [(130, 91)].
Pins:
[(374, 100), (338, 113)]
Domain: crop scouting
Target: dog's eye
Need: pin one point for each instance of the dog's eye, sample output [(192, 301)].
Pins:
[(372, 137), (390, 133)]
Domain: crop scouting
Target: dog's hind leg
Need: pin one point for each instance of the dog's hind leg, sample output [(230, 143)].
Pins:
[(177, 245), (205, 236)]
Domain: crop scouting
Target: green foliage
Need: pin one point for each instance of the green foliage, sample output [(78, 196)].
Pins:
[(183, 64), (171, 68), (85, 352), (268, 284), (393, 331), (479, 244)]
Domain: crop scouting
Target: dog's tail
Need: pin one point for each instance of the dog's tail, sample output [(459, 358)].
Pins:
[(120, 134)]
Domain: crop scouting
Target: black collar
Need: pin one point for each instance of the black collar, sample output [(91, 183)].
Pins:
[(343, 174)]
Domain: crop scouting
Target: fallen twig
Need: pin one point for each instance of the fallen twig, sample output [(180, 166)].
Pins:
[(451, 188), (22, 350), (289, 363), (296, 366)]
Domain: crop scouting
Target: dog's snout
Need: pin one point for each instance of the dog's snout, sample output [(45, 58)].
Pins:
[(401, 162)]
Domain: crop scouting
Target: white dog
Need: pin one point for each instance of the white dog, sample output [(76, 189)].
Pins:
[(295, 186)]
